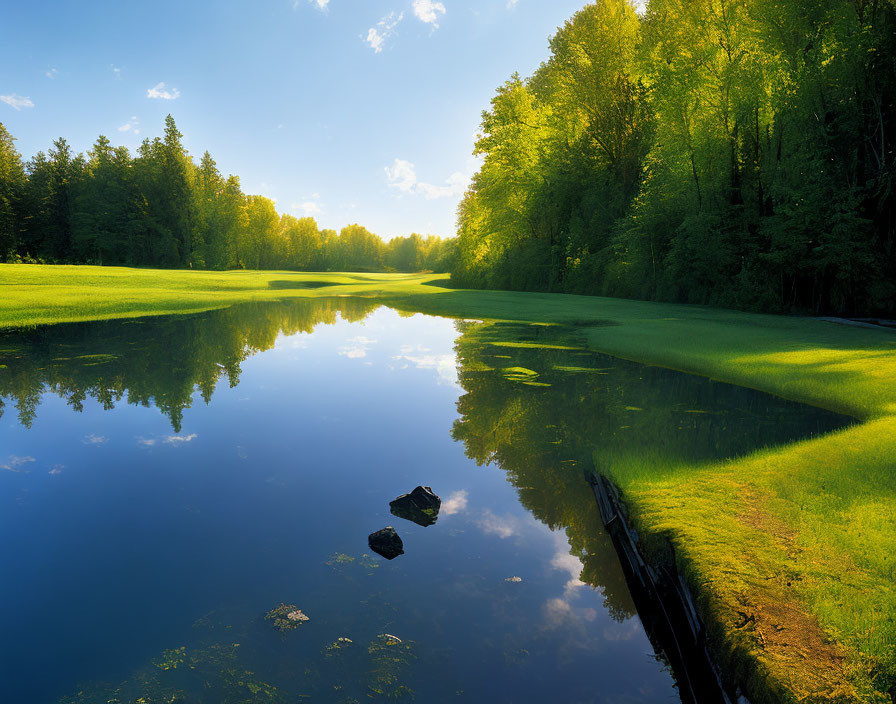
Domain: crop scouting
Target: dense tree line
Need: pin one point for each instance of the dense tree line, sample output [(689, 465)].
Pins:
[(159, 208), (734, 152)]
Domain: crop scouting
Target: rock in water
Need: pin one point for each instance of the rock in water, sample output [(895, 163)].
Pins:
[(386, 542), (420, 506)]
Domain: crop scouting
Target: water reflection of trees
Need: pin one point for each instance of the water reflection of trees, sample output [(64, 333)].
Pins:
[(152, 361), (536, 402)]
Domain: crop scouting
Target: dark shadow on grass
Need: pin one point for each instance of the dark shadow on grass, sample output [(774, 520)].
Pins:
[(284, 285), (442, 283)]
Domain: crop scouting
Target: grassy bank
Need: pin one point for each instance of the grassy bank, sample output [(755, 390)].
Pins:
[(36, 295), (790, 550)]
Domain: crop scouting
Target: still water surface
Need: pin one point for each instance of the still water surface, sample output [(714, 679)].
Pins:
[(165, 483)]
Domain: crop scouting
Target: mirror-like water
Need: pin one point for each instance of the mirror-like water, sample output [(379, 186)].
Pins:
[(165, 483)]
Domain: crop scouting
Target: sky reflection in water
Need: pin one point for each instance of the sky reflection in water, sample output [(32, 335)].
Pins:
[(202, 483)]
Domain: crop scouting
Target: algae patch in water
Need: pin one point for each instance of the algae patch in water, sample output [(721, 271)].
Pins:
[(286, 617)]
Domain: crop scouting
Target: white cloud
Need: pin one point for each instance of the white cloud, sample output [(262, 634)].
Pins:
[(512, 4), (52, 73), (14, 100), (57, 469), (385, 28), (95, 439), (558, 609), (456, 185), (357, 347), (310, 208), (502, 526), (565, 562), (115, 70), (375, 39), (16, 464), (132, 125), (445, 365), (428, 11), (321, 5), (402, 176), (162, 92), (180, 439), (172, 440), (455, 503)]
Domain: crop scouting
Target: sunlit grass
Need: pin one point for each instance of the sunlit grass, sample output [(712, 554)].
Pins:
[(809, 529), (803, 536), (34, 295)]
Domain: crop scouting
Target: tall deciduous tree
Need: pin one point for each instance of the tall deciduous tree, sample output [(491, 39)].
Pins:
[(12, 192)]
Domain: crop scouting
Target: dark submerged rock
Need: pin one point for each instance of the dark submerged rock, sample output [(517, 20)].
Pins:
[(421, 506), (386, 542)]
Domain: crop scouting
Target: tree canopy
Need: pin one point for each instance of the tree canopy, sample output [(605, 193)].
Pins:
[(159, 208), (732, 152)]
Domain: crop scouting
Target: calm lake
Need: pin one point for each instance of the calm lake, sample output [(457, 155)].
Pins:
[(165, 483)]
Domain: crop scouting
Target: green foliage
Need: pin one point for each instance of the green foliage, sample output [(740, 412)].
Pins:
[(389, 657), (731, 152), (160, 209), (12, 193)]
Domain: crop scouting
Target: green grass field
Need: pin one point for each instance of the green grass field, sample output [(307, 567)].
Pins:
[(790, 550)]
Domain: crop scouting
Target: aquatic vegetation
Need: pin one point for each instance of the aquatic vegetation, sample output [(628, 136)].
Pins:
[(519, 374), (171, 659), (210, 674), (781, 512), (142, 689), (349, 565), (389, 659), (367, 562), (286, 617), (581, 370), (243, 683), (340, 559), (339, 644)]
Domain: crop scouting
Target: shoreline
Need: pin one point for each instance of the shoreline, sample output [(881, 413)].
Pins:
[(797, 538), (666, 601)]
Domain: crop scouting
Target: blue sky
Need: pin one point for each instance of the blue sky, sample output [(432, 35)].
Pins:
[(348, 110)]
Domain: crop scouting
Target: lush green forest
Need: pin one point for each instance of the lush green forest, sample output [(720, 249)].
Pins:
[(732, 152), (160, 209)]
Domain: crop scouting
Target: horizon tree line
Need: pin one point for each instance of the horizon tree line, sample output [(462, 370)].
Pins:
[(158, 208)]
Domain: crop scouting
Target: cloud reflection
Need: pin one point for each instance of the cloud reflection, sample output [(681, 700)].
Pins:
[(502, 526), (170, 440), (95, 439), (445, 365), (560, 609), (455, 503), (357, 347), (17, 464)]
